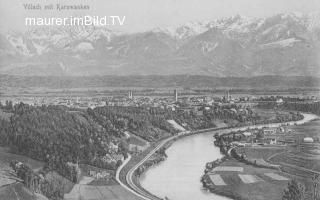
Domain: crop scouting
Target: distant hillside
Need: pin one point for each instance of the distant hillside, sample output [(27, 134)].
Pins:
[(152, 81)]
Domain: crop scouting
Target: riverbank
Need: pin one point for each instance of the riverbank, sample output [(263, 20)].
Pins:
[(237, 177), (182, 134), (135, 182)]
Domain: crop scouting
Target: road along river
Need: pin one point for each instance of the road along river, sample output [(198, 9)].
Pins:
[(178, 177)]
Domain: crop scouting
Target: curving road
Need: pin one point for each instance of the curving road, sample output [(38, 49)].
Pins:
[(135, 189), (124, 185)]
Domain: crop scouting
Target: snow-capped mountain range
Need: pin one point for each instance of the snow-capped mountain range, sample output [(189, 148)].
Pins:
[(283, 44)]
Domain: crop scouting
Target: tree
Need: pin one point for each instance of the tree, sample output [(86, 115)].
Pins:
[(9, 105), (294, 191), (316, 187)]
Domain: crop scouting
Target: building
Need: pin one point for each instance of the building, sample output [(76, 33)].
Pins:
[(279, 101), (272, 140), (102, 174), (130, 95), (92, 173), (135, 148), (247, 134), (269, 131), (308, 140), (99, 174), (228, 96), (175, 95)]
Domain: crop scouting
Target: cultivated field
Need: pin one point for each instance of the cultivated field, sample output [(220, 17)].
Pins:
[(300, 161), (17, 191), (262, 152), (302, 155), (251, 183), (227, 169), (216, 179), (90, 192), (276, 176)]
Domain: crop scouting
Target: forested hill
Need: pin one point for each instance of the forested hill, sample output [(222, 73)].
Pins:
[(58, 135), (55, 135), (195, 81)]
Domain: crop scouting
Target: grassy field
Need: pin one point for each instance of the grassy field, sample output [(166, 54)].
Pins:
[(90, 192), (105, 182), (298, 161), (136, 140), (304, 155), (311, 129), (251, 184), (262, 152), (10, 186), (17, 191), (6, 157)]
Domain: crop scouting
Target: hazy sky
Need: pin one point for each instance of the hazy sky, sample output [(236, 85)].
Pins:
[(147, 14)]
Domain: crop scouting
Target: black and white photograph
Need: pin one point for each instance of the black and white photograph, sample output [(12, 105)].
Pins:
[(159, 100)]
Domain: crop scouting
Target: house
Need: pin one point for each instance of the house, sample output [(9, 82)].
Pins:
[(92, 173), (238, 144), (308, 140), (117, 157), (113, 147), (247, 134), (272, 141), (269, 131), (126, 134), (99, 174), (206, 108), (105, 174), (102, 174), (248, 137), (107, 158), (135, 148), (279, 101)]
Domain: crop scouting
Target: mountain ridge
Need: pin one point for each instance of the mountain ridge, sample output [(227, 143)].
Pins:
[(287, 43), (158, 81)]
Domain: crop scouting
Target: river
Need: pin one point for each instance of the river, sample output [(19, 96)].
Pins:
[(178, 178)]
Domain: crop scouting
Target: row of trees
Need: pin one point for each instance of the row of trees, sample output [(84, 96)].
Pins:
[(297, 191), (313, 107), (284, 98)]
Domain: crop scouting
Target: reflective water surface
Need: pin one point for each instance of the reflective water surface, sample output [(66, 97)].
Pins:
[(178, 178)]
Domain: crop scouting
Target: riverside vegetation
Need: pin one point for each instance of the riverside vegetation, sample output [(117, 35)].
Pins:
[(300, 188), (62, 137)]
